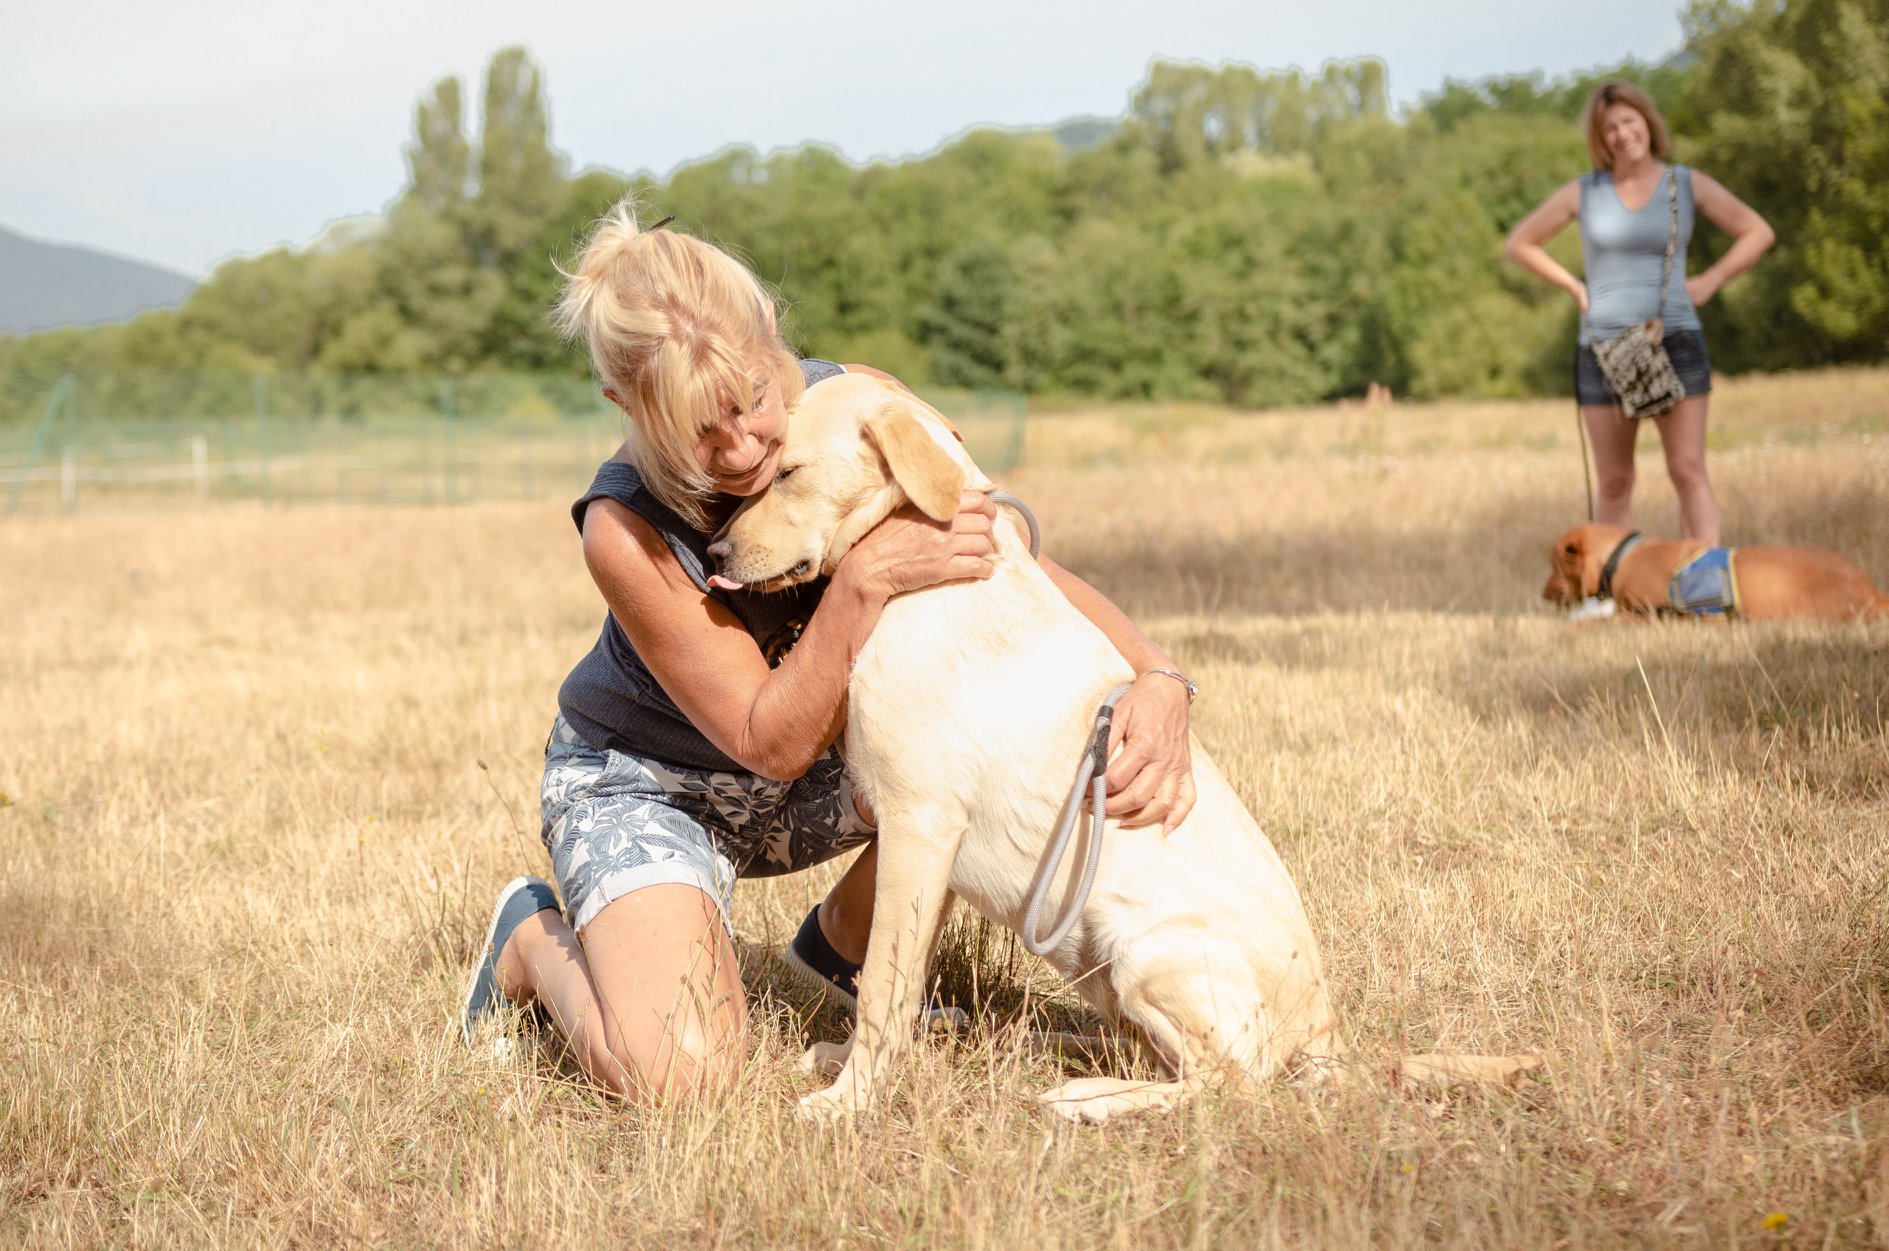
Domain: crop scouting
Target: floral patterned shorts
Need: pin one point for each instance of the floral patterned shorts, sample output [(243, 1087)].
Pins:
[(615, 823)]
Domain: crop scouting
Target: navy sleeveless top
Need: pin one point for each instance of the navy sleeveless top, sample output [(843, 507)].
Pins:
[(1622, 250), (611, 699)]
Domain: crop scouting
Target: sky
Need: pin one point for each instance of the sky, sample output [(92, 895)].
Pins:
[(187, 132)]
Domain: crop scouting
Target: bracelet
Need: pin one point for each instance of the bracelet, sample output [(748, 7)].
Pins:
[(1178, 676)]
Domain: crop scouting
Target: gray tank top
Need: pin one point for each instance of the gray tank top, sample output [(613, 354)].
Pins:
[(611, 699), (1622, 250)]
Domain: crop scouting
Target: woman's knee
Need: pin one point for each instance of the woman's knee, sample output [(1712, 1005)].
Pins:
[(681, 1057), (671, 1015), (1614, 481), (1686, 468)]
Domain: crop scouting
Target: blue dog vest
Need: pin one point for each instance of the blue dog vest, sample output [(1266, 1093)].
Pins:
[(1706, 585)]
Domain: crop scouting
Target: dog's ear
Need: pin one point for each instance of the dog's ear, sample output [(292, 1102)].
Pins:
[(1570, 561), (930, 478)]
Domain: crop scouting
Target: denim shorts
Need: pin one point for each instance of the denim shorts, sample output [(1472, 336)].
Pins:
[(615, 823), (1690, 362)]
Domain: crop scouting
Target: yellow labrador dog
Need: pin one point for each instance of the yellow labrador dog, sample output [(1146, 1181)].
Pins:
[(969, 707)]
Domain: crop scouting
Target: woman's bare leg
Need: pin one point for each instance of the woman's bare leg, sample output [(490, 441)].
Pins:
[(846, 912), (651, 1000), (1682, 435), (1611, 436)]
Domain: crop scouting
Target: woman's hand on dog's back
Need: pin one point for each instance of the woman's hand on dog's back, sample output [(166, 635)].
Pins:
[(908, 551), (1151, 769)]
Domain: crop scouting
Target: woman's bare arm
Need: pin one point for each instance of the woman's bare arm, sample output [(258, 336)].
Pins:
[(1550, 218), (1752, 236), (774, 722), (1151, 779)]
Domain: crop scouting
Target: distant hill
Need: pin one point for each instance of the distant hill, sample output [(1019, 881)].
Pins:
[(43, 285), (1077, 133)]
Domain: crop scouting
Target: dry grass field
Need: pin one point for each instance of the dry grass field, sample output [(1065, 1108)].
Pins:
[(263, 771)]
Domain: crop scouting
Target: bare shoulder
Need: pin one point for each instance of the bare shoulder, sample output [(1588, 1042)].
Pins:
[(627, 558), (1549, 217), (1723, 208), (1703, 184), (1565, 198), (1710, 194), (852, 367)]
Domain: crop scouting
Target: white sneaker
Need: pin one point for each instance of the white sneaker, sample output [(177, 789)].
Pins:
[(1593, 608)]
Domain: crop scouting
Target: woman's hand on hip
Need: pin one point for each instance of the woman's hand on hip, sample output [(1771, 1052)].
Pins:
[(1151, 776), (1579, 292), (908, 551), (1700, 288)]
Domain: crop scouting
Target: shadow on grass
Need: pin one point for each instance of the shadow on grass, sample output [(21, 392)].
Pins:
[(1492, 562), (978, 968), (1807, 706)]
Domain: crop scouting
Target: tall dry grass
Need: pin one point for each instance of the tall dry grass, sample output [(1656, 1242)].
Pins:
[(263, 772)]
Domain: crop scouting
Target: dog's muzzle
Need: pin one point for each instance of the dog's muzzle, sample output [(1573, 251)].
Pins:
[(721, 549)]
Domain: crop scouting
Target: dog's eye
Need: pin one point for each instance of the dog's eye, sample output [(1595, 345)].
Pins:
[(784, 472), (1572, 550)]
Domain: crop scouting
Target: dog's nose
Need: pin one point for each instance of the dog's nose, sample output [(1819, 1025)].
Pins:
[(718, 550)]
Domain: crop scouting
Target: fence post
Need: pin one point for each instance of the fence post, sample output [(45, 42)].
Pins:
[(200, 464), (1013, 455), (60, 399), (446, 432), (259, 387), (531, 462)]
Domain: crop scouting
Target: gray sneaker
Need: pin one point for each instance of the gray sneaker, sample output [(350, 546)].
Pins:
[(522, 898)]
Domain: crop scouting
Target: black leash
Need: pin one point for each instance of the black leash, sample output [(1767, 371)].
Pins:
[(1587, 471)]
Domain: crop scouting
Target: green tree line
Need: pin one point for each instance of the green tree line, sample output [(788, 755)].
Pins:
[(1246, 236)]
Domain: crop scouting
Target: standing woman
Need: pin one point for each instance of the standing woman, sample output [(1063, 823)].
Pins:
[(695, 744), (1625, 216)]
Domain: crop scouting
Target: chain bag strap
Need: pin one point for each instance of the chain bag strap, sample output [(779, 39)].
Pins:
[(1635, 362)]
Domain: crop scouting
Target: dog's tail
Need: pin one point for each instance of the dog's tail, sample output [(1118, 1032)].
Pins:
[(1878, 611)]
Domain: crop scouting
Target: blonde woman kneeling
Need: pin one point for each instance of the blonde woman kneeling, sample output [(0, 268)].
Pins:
[(694, 744)]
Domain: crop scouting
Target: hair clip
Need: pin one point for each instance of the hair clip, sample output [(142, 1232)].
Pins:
[(664, 222)]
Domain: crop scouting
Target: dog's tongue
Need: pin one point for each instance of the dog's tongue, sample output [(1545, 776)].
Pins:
[(726, 584)]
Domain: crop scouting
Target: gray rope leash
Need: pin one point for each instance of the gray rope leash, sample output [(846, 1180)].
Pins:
[(1091, 776), (1029, 518)]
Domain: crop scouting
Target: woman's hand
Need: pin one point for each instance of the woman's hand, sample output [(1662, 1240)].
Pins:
[(908, 551), (1579, 291), (1701, 287), (1151, 776)]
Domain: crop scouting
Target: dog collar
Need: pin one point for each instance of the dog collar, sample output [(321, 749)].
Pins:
[(1606, 588)]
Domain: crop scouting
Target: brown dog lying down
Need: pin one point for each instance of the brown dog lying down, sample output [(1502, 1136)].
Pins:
[(968, 708), (1648, 576)]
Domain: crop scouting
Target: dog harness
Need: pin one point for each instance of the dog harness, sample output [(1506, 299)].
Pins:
[(1706, 585)]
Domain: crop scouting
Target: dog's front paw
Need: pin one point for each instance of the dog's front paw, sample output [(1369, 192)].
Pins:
[(832, 1106), (825, 1058), (1094, 1100)]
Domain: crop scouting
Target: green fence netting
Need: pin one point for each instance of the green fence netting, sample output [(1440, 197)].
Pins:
[(157, 439)]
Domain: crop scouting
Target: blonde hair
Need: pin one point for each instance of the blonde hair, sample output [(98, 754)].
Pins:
[(674, 326), (1613, 92)]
